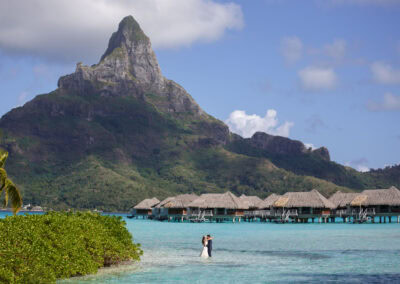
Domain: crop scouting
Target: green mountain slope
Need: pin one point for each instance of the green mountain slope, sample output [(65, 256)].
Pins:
[(116, 132)]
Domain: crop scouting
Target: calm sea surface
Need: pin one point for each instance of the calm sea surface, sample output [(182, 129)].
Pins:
[(260, 253)]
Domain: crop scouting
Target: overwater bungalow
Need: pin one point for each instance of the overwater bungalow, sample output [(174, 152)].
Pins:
[(174, 208), (382, 203), (302, 206), (268, 212), (144, 208), (219, 207), (256, 209), (342, 201), (270, 200), (254, 202)]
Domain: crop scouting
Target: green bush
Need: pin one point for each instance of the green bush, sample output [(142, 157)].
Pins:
[(44, 248)]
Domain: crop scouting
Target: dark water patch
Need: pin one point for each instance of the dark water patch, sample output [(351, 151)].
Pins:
[(344, 278), (290, 254), (371, 252)]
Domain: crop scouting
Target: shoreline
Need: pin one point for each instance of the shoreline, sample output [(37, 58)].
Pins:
[(124, 266)]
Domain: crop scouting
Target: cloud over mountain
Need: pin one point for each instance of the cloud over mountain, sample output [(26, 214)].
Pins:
[(247, 124), (74, 30)]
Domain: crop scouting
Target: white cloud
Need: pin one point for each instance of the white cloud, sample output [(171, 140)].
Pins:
[(317, 78), (337, 49), (360, 165), (291, 49), (74, 30), (246, 125), (362, 168), (390, 102), (310, 145), (385, 74)]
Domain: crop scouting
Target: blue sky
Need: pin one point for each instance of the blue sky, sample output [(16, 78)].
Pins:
[(326, 72)]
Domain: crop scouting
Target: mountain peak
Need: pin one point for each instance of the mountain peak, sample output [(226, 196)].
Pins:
[(129, 67), (129, 34)]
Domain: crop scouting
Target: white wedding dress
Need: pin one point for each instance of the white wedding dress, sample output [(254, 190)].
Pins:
[(204, 252)]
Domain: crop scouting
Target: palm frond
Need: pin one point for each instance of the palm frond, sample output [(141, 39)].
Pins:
[(3, 178), (3, 157), (12, 194)]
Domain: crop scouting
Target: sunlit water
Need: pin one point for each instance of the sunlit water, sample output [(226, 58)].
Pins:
[(260, 253)]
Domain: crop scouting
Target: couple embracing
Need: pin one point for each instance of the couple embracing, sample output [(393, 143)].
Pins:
[(207, 246)]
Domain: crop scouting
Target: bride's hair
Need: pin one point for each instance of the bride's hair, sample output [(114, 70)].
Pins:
[(203, 240)]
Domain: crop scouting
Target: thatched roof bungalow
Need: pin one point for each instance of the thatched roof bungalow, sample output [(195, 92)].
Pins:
[(225, 205), (145, 207), (342, 199), (385, 200), (270, 200), (254, 202), (176, 206), (306, 203)]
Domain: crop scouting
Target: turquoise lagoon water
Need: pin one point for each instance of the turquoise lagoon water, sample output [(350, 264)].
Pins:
[(260, 253)]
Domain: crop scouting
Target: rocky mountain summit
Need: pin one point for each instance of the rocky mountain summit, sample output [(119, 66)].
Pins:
[(129, 67), (118, 131)]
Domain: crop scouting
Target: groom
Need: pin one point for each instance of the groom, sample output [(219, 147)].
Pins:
[(209, 246)]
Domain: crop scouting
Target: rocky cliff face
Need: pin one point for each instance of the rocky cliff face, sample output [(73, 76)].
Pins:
[(129, 68), (284, 146), (277, 144)]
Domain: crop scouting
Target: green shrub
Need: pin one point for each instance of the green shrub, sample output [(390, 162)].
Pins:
[(44, 248)]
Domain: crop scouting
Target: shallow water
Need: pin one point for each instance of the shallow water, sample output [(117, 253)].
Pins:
[(261, 252)]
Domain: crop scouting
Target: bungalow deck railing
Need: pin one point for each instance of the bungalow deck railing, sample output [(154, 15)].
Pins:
[(363, 211), (341, 212), (200, 215), (257, 213)]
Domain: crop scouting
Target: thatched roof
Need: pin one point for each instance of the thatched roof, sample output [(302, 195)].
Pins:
[(270, 200), (254, 202), (147, 203), (373, 197), (342, 199), (312, 199), (179, 201), (216, 200)]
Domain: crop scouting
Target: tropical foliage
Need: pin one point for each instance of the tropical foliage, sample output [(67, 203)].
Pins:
[(11, 192), (44, 248)]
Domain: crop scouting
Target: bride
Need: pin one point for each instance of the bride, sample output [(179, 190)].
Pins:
[(204, 252)]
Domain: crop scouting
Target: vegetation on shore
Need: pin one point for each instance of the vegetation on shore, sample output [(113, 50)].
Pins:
[(44, 248)]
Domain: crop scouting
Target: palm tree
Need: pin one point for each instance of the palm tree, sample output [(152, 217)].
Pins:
[(11, 191)]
